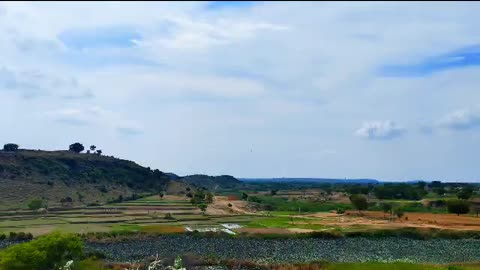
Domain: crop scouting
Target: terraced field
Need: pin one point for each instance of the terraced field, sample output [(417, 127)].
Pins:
[(125, 216)]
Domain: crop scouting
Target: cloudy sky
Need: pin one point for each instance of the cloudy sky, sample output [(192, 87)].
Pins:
[(380, 90)]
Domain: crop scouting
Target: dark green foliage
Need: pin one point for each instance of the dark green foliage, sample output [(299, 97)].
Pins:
[(399, 191), (273, 192), (169, 216), (244, 196), (209, 198), (465, 194), (386, 207), (458, 206), (230, 205), (269, 203), (35, 204), (359, 201), (398, 212), (103, 189), (203, 207), (10, 147), (76, 147), (46, 252)]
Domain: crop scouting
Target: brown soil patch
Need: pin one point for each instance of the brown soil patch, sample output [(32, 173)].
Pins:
[(376, 219), (220, 207)]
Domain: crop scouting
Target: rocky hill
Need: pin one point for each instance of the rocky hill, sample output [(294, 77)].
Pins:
[(85, 178)]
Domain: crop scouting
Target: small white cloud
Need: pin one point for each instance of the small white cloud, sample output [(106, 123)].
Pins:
[(461, 120), (380, 130)]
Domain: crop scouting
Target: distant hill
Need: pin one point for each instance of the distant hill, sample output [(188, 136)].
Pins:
[(86, 178), (212, 182), (311, 180)]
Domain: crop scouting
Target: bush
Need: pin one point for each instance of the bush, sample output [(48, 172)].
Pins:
[(169, 216), (359, 201), (46, 252), (458, 206), (10, 147), (35, 204)]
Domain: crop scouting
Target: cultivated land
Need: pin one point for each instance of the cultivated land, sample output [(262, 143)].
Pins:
[(129, 213)]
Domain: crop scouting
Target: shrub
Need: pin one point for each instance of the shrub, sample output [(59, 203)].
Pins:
[(458, 206), (169, 216), (35, 204), (359, 201), (46, 252), (10, 147), (230, 205)]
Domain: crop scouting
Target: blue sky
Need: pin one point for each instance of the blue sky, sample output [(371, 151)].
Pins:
[(251, 89)]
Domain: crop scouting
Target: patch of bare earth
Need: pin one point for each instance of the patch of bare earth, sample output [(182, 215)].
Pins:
[(376, 219)]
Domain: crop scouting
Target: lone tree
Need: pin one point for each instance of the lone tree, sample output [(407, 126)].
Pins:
[(67, 201), (465, 193), (387, 208), (273, 192), (359, 201), (203, 207), (35, 204), (99, 152), (92, 147), (458, 206), (209, 198), (76, 147), (10, 147)]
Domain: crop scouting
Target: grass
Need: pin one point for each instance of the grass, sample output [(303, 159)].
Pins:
[(284, 222)]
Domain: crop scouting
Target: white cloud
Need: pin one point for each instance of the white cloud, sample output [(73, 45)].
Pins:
[(380, 130), (279, 77), (461, 119)]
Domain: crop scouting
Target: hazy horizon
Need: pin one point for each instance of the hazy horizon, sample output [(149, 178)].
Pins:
[(379, 90)]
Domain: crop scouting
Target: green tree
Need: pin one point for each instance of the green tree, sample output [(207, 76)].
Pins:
[(273, 192), (359, 201), (458, 206), (203, 207), (99, 152), (465, 194), (387, 208), (244, 196), (46, 252), (76, 147), (398, 212), (209, 197), (35, 204), (10, 147)]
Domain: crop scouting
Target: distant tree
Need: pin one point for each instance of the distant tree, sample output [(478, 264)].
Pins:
[(161, 194), (209, 198), (67, 201), (120, 198), (92, 147), (76, 147), (244, 196), (35, 204), (421, 184), (458, 206), (99, 152), (203, 207), (189, 195), (10, 147), (88, 151), (359, 201), (398, 212), (387, 208), (230, 205), (273, 192), (439, 190), (340, 211), (465, 194), (188, 189), (169, 216)]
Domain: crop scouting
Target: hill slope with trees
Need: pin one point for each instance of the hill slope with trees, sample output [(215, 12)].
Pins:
[(75, 178)]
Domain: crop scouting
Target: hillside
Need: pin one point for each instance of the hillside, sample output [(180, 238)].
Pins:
[(86, 178)]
